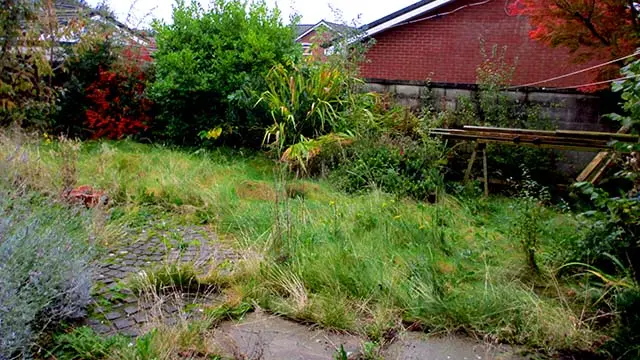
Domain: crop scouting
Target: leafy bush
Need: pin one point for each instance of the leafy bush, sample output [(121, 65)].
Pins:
[(611, 241), (31, 94), (609, 249), (211, 66), (397, 165), (394, 154), (118, 105), (615, 226), (26, 96), (630, 93), (613, 230), (81, 71), (631, 97), (44, 269)]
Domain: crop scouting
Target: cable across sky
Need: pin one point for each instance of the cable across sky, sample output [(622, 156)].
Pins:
[(578, 72)]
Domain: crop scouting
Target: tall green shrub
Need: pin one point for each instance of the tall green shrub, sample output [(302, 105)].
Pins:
[(615, 229), (611, 242), (210, 66), (630, 93)]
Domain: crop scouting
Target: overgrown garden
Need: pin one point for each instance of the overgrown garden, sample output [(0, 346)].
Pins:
[(351, 215)]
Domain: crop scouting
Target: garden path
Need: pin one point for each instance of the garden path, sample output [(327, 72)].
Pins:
[(118, 310), (268, 337)]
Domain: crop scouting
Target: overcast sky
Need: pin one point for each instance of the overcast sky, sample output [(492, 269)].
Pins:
[(311, 11)]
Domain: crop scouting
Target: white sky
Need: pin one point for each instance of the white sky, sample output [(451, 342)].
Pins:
[(311, 11)]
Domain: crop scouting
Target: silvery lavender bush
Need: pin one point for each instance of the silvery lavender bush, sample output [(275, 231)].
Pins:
[(45, 274)]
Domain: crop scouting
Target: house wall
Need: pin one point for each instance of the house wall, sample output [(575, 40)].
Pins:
[(447, 49), (317, 39)]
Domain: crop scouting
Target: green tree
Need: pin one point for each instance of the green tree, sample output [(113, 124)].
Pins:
[(211, 67)]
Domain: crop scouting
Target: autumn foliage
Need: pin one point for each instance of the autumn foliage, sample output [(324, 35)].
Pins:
[(590, 29), (119, 105)]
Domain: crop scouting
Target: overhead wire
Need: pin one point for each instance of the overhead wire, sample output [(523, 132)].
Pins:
[(598, 83), (576, 72)]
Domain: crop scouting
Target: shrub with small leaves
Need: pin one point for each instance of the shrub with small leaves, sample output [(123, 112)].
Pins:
[(118, 105), (44, 269), (211, 66), (398, 165)]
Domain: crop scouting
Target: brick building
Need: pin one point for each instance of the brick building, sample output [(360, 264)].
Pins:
[(441, 40), (433, 48), (316, 38)]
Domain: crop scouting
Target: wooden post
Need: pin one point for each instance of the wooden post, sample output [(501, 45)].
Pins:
[(467, 174), (486, 172)]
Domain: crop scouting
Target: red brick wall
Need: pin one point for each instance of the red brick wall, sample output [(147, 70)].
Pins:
[(447, 49)]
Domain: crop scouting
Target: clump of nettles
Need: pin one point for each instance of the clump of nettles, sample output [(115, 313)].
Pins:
[(44, 270)]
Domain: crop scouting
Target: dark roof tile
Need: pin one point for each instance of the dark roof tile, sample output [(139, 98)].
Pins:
[(339, 29), (303, 28)]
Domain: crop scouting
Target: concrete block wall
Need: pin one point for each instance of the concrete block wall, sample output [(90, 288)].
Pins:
[(568, 111)]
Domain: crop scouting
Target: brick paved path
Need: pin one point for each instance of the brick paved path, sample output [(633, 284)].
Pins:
[(118, 310)]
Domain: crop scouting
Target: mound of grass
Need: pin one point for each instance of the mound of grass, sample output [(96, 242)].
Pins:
[(176, 278)]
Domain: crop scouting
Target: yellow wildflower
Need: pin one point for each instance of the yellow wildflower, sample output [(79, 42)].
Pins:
[(47, 138), (214, 134)]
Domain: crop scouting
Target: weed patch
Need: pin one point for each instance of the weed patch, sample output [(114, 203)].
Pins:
[(366, 263)]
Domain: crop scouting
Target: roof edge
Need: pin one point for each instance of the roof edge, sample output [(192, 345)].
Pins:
[(402, 15), (312, 28)]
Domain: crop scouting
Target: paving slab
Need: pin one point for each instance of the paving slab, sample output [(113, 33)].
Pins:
[(269, 337)]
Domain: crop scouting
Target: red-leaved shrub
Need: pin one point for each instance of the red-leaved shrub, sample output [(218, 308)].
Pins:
[(119, 106)]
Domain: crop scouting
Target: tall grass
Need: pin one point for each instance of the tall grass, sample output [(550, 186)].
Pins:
[(363, 263), (433, 266)]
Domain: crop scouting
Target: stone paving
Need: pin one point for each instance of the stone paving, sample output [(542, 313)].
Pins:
[(118, 310)]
